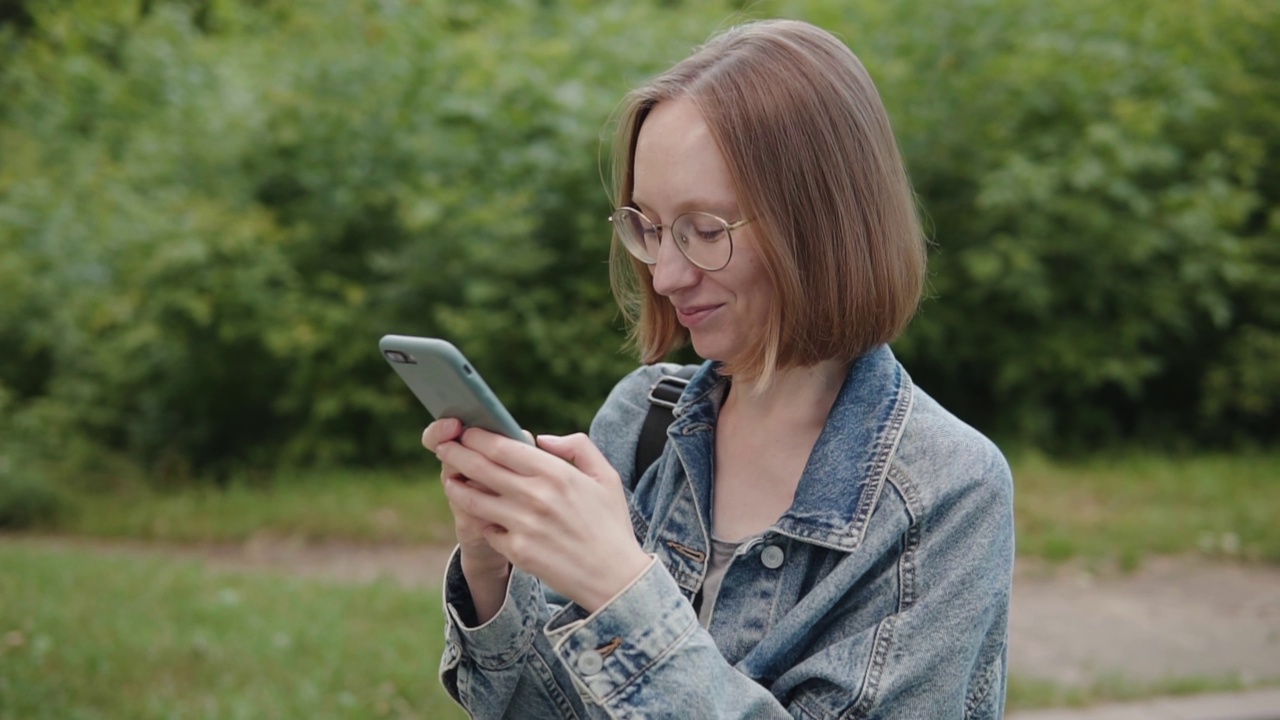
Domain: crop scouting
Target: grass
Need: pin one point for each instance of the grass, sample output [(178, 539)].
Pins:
[(1122, 509), (1106, 510), (83, 636), (89, 636), (1028, 693), (368, 506)]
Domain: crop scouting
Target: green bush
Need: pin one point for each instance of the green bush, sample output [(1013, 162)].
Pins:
[(210, 211), (205, 231), (26, 498), (1101, 180)]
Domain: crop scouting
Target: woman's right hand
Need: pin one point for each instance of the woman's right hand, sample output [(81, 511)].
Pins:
[(485, 569)]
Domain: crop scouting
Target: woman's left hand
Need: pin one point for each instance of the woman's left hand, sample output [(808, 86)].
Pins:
[(559, 511)]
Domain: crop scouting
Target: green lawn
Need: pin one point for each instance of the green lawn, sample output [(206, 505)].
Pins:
[(367, 506), (89, 636), (1112, 510), (1121, 509), (83, 635), (1025, 693)]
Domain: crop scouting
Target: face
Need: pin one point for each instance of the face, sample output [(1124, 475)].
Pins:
[(678, 169)]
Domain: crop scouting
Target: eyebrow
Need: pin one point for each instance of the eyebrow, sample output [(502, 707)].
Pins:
[(715, 207)]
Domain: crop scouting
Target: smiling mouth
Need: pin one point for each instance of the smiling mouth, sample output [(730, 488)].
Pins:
[(690, 317)]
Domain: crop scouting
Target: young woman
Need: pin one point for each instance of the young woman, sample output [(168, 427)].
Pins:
[(819, 539)]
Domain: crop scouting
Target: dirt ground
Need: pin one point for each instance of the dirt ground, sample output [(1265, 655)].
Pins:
[(1173, 618)]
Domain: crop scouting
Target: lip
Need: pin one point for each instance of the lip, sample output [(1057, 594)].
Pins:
[(695, 314)]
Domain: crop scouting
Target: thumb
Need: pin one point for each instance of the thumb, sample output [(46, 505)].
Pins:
[(579, 451)]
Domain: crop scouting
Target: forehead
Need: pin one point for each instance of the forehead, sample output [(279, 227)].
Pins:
[(677, 165)]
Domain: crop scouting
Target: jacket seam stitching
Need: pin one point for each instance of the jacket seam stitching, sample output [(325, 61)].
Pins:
[(875, 669), (641, 671), (907, 568), (904, 402), (802, 705), (557, 693), (980, 693)]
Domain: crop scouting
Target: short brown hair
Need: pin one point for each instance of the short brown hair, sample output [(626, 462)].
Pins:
[(816, 167)]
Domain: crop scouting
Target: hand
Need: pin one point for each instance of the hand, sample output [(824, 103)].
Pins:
[(480, 562), (560, 515)]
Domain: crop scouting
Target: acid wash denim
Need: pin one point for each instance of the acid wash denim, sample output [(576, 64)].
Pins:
[(882, 593)]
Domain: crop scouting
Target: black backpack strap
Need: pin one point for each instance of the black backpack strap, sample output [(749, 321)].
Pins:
[(663, 396)]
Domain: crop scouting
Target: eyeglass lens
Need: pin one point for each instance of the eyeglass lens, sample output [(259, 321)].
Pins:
[(702, 238)]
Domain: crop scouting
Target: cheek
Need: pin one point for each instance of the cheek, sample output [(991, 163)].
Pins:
[(745, 265), (757, 288)]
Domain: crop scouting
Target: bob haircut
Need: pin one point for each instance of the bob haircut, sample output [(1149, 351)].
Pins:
[(816, 168)]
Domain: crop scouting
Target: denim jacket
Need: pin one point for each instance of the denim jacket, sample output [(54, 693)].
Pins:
[(883, 592)]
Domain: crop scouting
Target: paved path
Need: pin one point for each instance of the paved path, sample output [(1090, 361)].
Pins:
[(1177, 617)]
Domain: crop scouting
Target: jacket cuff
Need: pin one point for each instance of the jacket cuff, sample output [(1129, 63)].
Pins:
[(502, 640), (607, 650)]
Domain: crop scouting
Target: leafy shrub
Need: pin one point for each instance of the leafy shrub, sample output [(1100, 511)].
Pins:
[(205, 232), (210, 211), (27, 500), (1101, 179)]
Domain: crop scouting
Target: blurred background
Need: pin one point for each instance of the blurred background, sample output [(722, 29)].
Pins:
[(210, 210)]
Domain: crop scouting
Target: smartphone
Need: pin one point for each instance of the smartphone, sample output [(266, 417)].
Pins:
[(449, 386)]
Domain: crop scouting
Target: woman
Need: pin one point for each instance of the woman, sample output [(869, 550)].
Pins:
[(819, 539)]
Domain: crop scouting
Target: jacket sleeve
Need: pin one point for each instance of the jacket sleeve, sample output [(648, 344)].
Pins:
[(944, 654), (504, 668)]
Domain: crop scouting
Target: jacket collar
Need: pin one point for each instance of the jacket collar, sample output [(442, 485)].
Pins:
[(846, 470)]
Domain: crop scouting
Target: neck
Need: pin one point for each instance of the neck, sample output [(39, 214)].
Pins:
[(797, 396)]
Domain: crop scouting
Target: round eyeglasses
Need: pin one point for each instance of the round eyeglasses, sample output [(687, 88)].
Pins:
[(703, 238)]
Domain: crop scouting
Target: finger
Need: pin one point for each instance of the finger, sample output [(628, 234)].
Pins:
[(488, 508), (579, 451), (521, 458), (467, 463), (476, 485), (441, 431)]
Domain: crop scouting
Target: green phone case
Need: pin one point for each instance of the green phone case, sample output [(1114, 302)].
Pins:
[(446, 384)]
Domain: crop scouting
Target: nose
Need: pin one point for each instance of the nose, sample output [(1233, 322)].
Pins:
[(672, 272)]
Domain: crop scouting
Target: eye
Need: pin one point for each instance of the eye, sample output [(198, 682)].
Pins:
[(707, 229)]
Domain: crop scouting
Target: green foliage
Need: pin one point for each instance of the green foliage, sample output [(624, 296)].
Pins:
[(1101, 179), (27, 502), (205, 232), (210, 211), (27, 498)]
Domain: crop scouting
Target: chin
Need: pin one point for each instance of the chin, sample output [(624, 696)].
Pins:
[(708, 349)]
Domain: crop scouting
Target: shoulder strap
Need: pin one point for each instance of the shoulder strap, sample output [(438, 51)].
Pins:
[(663, 396)]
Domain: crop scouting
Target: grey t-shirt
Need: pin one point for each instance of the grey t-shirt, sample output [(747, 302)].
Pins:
[(721, 554)]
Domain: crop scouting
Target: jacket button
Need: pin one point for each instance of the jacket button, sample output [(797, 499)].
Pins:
[(772, 557), (590, 662)]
